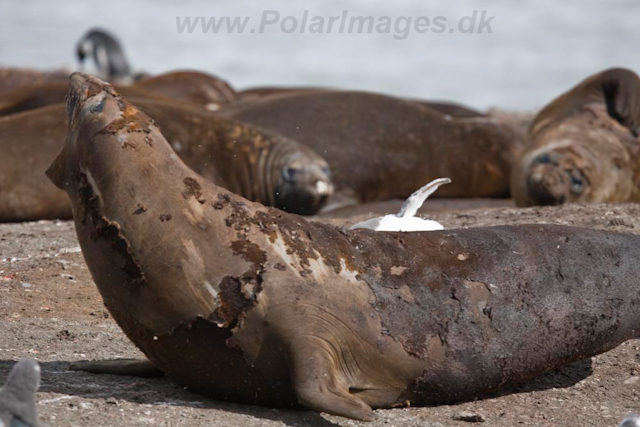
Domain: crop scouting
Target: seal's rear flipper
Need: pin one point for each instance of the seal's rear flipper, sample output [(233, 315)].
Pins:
[(617, 88), (318, 386), (414, 202), (130, 367), (621, 89)]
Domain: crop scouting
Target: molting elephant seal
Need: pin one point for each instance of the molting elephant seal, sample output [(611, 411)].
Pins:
[(252, 304)]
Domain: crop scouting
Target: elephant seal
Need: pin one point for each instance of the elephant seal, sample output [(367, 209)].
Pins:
[(380, 147), (583, 146), (251, 304), (204, 90), (443, 107), (42, 95), (253, 163), (108, 55), (18, 396), (15, 78)]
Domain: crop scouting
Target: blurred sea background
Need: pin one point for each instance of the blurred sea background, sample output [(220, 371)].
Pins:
[(537, 48)]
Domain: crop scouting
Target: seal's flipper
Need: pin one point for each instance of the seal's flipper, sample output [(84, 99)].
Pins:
[(318, 386), (130, 367), (617, 88), (621, 89), (414, 202)]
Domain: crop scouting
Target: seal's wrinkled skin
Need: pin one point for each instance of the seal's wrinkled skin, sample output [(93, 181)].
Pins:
[(381, 148), (248, 161), (584, 146), (253, 304)]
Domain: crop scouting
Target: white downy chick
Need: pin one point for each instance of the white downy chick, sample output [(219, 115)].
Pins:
[(405, 220)]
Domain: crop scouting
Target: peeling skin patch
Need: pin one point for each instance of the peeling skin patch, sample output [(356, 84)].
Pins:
[(249, 251), (397, 270), (108, 231), (94, 187), (194, 271), (132, 120), (195, 213), (192, 189)]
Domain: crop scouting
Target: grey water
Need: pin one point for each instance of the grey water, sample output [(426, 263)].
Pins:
[(536, 48)]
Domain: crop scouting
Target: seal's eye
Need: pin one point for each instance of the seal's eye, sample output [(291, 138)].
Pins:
[(543, 159), (290, 174), (325, 170), (577, 185)]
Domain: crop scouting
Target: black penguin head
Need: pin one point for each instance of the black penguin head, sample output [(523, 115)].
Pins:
[(107, 54)]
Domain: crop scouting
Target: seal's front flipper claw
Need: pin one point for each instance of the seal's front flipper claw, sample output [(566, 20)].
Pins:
[(129, 367), (316, 383)]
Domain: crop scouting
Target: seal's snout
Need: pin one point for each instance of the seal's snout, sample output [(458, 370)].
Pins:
[(551, 183), (546, 186), (83, 87), (304, 189)]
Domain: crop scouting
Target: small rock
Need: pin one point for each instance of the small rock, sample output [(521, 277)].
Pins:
[(25, 285), (631, 380), (470, 417), (111, 401)]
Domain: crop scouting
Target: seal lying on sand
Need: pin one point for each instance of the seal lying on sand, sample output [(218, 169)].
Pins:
[(584, 146), (194, 87), (253, 163), (380, 147), (42, 95), (443, 107), (252, 304), (15, 78)]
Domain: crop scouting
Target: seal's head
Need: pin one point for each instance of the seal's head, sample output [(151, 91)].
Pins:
[(591, 166), (91, 106), (555, 177), (302, 181)]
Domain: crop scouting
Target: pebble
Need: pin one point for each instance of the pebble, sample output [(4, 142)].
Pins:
[(470, 417)]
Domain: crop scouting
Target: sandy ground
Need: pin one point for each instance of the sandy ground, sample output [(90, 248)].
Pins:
[(50, 310)]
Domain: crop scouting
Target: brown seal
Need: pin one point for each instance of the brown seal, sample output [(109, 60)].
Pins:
[(584, 146), (204, 90), (15, 78), (44, 94), (380, 147), (442, 107), (252, 304), (251, 162)]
